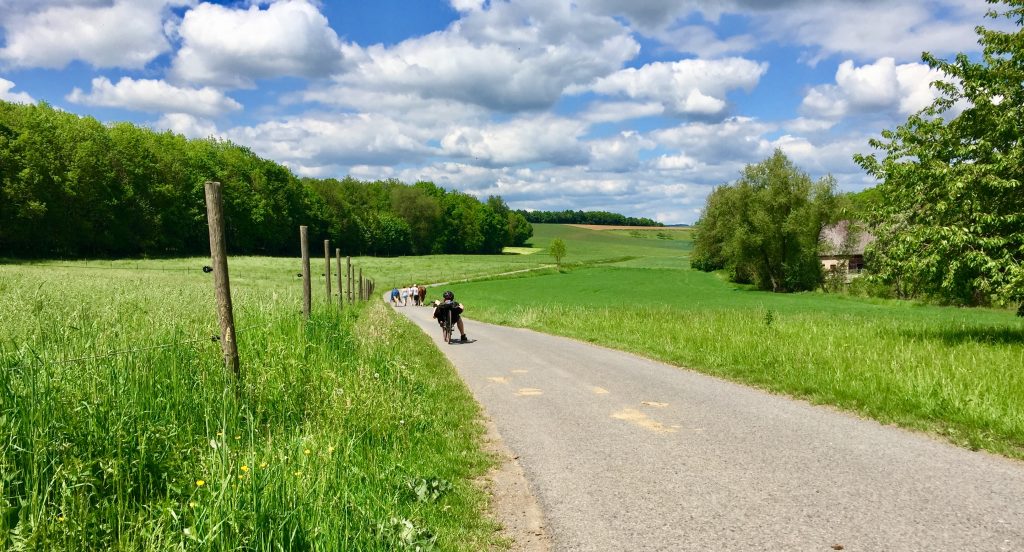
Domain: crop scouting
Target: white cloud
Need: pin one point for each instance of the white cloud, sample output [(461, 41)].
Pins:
[(882, 86), (804, 125), (691, 86), (342, 140), (679, 162), (467, 5), (407, 106), (873, 29), (525, 140), (17, 97), (828, 155), (233, 47), (736, 140), (187, 125), (703, 42), (618, 153), (126, 33), (154, 96), (508, 56), (610, 112)]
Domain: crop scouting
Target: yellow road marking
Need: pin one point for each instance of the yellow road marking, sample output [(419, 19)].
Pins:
[(498, 379), (654, 404), (529, 392), (634, 416), (520, 371)]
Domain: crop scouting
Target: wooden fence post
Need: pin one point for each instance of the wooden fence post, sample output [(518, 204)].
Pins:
[(349, 273), (327, 268), (221, 283), (361, 288), (306, 291), (341, 290)]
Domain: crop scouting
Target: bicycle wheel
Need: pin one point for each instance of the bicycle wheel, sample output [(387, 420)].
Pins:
[(448, 328)]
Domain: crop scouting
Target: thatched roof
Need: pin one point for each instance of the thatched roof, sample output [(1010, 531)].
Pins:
[(844, 238)]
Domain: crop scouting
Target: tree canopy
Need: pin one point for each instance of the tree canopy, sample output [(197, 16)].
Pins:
[(765, 227), (73, 187), (950, 223)]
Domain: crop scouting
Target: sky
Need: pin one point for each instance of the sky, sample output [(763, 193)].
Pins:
[(639, 107)]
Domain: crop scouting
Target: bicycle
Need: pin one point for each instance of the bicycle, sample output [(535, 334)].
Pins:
[(446, 327)]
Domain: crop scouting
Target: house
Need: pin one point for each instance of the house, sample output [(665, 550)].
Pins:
[(841, 247)]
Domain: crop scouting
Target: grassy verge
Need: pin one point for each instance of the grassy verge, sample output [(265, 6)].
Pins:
[(349, 432), (954, 372)]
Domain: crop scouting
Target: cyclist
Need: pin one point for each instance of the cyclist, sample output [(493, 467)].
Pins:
[(450, 304)]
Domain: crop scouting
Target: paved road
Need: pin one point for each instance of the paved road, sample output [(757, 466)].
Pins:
[(629, 454)]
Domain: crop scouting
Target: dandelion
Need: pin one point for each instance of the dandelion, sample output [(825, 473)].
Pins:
[(200, 482), (306, 451), (60, 519), (244, 468)]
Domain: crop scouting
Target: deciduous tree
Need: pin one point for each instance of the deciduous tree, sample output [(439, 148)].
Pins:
[(951, 220)]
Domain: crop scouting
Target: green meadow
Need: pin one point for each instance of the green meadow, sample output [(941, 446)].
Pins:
[(958, 373), (120, 429)]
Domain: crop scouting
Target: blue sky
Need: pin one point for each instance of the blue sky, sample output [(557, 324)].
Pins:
[(634, 106)]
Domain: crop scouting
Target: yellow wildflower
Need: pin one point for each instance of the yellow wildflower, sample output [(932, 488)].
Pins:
[(200, 483), (244, 468)]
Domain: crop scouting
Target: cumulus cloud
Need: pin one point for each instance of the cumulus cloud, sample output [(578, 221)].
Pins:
[(610, 112), (316, 141), (17, 97), (542, 139), (507, 56), (187, 125), (618, 153), (154, 96), (686, 87), (234, 47), (872, 29), (467, 5), (704, 42), (126, 33), (882, 86)]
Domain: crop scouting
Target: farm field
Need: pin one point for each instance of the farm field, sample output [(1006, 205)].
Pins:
[(953, 372), (122, 431)]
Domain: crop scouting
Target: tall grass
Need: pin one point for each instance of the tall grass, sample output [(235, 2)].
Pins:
[(958, 373), (349, 432)]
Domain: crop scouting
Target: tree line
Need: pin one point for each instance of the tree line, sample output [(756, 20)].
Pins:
[(585, 217), (71, 187)]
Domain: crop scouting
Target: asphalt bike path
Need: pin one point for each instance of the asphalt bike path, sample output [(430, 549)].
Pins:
[(624, 453)]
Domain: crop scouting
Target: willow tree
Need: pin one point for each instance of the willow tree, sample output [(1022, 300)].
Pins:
[(951, 220), (765, 226)]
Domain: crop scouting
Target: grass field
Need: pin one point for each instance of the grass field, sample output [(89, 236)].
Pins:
[(120, 429), (958, 373)]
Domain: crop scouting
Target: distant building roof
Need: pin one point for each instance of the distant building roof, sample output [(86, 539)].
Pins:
[(837, 239)]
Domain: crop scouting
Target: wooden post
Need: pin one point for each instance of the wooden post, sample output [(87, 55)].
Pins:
[(306, 291), (327, 268), (361, 288), (341, 290), (221, 283), (348, 274)]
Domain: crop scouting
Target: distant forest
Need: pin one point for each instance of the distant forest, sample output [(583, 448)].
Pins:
[(585, 217), (72, 186)]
